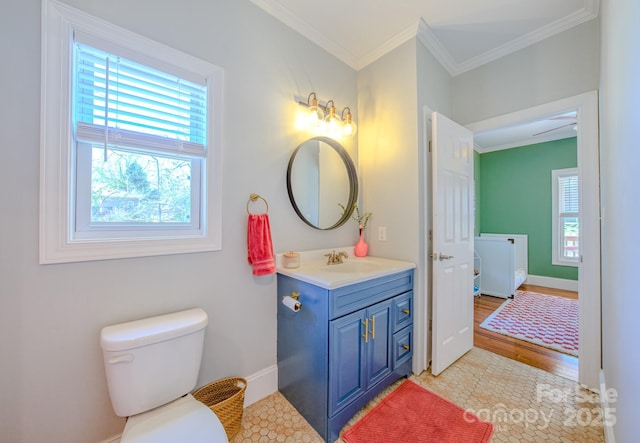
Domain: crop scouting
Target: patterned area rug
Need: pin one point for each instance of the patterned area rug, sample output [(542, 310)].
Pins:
[(545, 320), (413, 414)]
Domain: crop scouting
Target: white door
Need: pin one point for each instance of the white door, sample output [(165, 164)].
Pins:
[(452, 257)]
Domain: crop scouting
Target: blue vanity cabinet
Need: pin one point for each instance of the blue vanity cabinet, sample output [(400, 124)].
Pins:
[(343, 346), (360, 353)]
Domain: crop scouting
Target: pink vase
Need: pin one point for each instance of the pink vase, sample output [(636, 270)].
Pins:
[(361, 247)]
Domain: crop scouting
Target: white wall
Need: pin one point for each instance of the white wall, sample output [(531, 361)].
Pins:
[(392, 92), (435, 84), (620, 157), (390, 165), (388, 154), (561, 66), (52, 379)]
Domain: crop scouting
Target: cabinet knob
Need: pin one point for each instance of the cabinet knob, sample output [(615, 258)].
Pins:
[(405, 347), (405, 311)]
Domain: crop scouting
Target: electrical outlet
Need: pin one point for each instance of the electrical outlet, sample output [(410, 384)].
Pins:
[(382, 233)]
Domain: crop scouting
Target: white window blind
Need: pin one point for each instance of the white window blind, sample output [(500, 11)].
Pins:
[(568, 195), (123, 103), (565, 217)]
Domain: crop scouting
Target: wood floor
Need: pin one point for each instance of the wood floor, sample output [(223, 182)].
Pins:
[(525, 352)]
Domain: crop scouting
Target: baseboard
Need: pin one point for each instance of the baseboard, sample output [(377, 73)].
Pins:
[(552, 282), (261, 384), (609, 436)]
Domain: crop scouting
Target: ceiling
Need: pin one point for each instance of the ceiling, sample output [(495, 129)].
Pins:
[(461, 34), (552, 128)]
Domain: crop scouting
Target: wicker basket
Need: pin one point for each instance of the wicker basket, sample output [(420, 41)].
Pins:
[(225, 397)]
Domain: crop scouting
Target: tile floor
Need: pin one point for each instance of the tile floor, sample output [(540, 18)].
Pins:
[(525, 404)]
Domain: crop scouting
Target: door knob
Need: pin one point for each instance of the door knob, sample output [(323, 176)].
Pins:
[(442, 256)]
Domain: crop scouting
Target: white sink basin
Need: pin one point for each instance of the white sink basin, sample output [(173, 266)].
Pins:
[(353, 270)]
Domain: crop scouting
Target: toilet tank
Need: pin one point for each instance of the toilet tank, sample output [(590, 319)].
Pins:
[(152, 361)]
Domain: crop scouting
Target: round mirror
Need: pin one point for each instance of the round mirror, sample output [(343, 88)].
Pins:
[(320, 178)]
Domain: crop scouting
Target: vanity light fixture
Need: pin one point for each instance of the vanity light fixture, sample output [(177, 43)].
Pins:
[(333, 125)]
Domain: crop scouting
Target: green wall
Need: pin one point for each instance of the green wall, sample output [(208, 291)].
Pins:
[(476, 182), (516, 197)]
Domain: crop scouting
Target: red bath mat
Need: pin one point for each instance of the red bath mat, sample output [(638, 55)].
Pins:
[(542, 319), (412, 414)]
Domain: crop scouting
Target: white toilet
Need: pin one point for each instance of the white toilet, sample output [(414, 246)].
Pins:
[(151, 365)]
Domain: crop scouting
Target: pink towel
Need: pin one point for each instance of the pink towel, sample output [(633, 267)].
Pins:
[(260, 248)]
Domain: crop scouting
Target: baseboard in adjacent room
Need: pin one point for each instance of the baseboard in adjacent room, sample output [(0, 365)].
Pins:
[(552, 282)]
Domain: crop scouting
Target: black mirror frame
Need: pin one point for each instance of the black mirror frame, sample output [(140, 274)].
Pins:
[(351, 172)]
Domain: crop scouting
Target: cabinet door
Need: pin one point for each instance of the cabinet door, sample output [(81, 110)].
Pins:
[(346, 370), (378, 347)]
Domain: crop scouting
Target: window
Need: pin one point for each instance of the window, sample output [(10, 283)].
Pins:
[(131, 144), (566, 217), (140, 136)]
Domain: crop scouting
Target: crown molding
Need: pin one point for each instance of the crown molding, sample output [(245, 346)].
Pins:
[(433, 44), (428, 38), (588, 13), (388, 46), (307, 30), (425, 35)]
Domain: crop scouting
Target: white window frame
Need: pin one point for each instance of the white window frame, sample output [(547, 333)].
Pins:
[(57, 241), (557, 258)]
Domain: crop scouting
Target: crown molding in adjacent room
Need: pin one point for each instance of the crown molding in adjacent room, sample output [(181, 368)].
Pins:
[(520, 143)]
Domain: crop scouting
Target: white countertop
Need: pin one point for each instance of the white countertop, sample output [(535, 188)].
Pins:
[(313, 268)]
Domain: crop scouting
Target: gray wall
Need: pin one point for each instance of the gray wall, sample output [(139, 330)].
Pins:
[(53, 386), (620, 157)]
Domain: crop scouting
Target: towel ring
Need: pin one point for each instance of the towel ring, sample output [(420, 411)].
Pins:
[(254, 197)]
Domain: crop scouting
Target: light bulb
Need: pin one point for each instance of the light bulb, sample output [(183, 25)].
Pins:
[(349, 127), (315, 114), (333, 123)]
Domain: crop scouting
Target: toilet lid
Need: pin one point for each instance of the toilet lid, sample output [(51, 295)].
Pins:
[(182, 420)]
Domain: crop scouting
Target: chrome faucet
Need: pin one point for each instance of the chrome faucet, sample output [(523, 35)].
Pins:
[(335, 258)]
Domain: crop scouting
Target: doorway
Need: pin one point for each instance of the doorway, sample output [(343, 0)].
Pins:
[(517, 170), (586, 108)]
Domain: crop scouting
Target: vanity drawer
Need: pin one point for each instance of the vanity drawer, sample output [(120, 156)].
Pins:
[(360, 295), (402, 346), (402, 311)]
